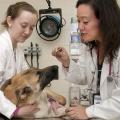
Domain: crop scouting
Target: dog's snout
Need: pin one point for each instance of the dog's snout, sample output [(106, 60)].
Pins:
[(54, 71), (54, 68), (49, 74)]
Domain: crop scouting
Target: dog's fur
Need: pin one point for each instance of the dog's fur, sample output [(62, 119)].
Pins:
[(28, 87)]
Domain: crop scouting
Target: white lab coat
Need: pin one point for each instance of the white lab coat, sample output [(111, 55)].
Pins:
[(83, 73), (10, 63)]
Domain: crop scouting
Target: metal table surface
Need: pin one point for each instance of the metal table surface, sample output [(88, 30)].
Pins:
[(52, 119), (4, 118), (1, 118), (49, 119), (64, 118), (40, 119)]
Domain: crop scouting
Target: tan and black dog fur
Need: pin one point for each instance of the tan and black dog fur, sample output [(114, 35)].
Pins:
[(30, 86)]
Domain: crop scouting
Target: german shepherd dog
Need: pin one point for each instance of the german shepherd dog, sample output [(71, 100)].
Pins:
[(30, 86)]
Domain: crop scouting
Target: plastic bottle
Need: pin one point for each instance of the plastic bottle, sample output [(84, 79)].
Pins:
[(74, 25), (74, 94), (75, 40), (77, 94), (74, 90)]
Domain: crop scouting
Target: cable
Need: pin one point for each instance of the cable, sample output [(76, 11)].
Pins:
[(27, 60), (49, 3), (31, 46), (37, 55)]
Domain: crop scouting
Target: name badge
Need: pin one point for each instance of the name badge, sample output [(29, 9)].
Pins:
[(96, 98)]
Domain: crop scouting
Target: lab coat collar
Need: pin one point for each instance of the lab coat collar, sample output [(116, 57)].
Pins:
[(6, 35), (105, 68), (105, 72)]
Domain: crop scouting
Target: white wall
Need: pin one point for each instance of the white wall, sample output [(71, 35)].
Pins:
[(68, 10)]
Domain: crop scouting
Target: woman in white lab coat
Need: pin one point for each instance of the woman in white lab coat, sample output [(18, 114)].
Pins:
[(20, 20), (99, 63)]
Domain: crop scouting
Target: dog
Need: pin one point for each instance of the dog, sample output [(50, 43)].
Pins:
[(30, 86)]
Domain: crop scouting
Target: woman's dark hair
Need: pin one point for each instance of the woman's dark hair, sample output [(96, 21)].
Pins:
[(15, 9), (108, 14)]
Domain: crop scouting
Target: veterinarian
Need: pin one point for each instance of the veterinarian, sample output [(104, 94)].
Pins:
[(19, 23), (99, 64)]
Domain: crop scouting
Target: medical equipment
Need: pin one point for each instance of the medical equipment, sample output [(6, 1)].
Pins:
[(31, 53), (37, 55), (31, 46), (49, 23)]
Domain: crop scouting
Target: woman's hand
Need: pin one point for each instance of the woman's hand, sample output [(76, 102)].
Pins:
[(77, 112), (27, 110), (61, 54)]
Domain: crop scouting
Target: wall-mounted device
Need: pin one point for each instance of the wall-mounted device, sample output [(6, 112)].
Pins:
[(33, 51), (49, 23)]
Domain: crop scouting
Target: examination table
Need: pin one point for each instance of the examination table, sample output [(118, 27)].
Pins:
[(4, 118)]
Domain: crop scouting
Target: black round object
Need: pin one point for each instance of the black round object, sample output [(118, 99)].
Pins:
[(49, 26)]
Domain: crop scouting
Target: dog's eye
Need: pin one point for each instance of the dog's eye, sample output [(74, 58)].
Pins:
[(27, 90), (39, 73), (17, 92)]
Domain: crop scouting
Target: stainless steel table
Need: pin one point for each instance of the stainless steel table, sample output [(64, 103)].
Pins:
[(51, 119), (42, 119), (65, 118), (1, 118)]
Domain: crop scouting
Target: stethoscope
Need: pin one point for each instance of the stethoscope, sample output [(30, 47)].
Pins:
[(111, 78)]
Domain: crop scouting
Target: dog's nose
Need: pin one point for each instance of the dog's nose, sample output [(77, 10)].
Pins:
[(55, 68), (54, 71)]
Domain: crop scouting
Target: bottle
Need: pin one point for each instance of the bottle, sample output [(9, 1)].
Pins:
[(77, 95), (74, 90), (75, 46), (75, 40), (74, 25), (74, 94)]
